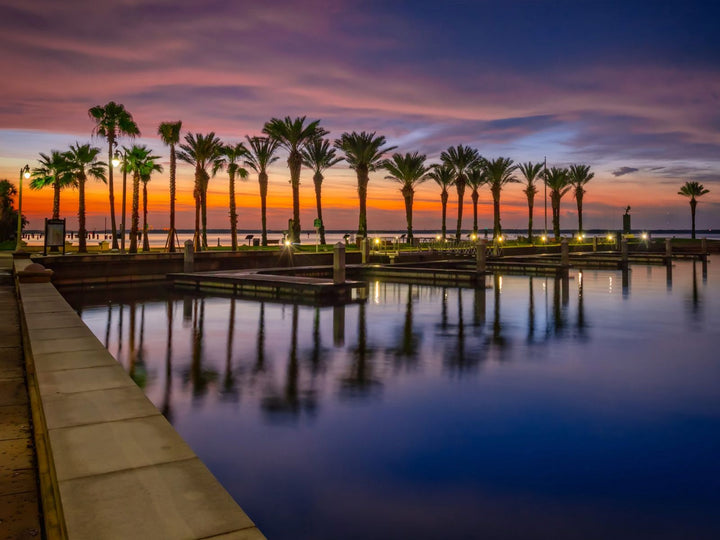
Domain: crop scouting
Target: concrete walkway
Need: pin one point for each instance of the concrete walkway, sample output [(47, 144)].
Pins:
[(19, 508)]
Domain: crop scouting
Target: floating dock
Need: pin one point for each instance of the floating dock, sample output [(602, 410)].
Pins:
[(269, 285)]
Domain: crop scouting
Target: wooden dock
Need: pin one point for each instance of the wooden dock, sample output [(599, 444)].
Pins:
[(269, 285)]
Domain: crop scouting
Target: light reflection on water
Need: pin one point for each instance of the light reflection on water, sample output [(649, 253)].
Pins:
[(536, 408)]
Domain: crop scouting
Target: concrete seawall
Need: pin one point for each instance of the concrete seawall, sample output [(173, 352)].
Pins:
[(111, 466)]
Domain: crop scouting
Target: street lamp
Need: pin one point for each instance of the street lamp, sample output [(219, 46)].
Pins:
[(24, 172)]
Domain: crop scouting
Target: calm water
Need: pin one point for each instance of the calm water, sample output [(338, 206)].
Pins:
[(530, 410)]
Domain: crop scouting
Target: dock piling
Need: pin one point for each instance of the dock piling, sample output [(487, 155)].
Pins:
[(364, 250), (624, 251), (480, 256), (668, 247), (339, 264), (189, 260), (564, 252)]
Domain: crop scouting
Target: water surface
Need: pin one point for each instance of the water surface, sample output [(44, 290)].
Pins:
[(534, 409)]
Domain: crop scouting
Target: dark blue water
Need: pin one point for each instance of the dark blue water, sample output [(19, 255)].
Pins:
[(534, 409)]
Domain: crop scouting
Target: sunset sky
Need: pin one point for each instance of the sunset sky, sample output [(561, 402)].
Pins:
[(630, 88)]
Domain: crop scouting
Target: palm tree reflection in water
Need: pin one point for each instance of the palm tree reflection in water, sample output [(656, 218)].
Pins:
[(361, 382)]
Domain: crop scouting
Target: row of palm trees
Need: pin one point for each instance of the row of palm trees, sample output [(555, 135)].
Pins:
[(365, 152)]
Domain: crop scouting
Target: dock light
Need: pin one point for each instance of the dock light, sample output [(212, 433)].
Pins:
[(500, 238), (377, 241), (644, 236), (543, 238), (437, 237), (287, 243), (609, 237)]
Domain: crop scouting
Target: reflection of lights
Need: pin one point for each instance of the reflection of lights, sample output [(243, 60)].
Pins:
[(610, 285), (377, 292), (500, 283)]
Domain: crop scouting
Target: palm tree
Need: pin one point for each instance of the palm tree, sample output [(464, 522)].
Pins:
[(476, 178), (229, 159), (112, 121), (261, 154), (170, 135), (200, 151), (409, 170), (148, 168), (52, 172), (579, 176), (461, 159), (692, 190), (294, 135), (557, 179), (363, 153), (319, 156), (8, 214), (140, 163), (499, 172), (444, 176), (531, 172), (82, 163)]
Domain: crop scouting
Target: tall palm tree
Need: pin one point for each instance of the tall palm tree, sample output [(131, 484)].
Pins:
[(261, 154), (82, 163), (531, 172), (148, 168), (476, 178), (499, 172), (444, 176), (319, 156), (461, 159), (693, 190), (112, 121), (363, 152), (294, 135), (52, 172), (229, 159), (557, 179), (200, 151), (170, 136), (409, 170), (579, 176), (140, 162)]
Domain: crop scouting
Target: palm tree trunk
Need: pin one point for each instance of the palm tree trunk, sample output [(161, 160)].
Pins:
[(111, 189), (530, 219), (555, 203), (693, 205), (263, 181), (362, 178), (444, 200), (56, 199), (408, 193), (579, 207), (317, 180), (135, 213), (146, 241), (171, 233), (295, 163), (460, 186), (475, 197), (497, 230), (233, 212), (82, 247), (203, 206)]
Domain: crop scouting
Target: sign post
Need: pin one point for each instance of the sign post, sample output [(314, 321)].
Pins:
[(54, 234), (317, 224)]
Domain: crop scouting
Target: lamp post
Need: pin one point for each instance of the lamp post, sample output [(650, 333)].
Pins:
[(116, 161), (24, 172)]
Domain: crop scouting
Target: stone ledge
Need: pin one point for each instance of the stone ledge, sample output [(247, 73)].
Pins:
[(114, 467)]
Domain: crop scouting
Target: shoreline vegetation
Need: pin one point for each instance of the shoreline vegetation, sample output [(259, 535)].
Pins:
[(306, 144)]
